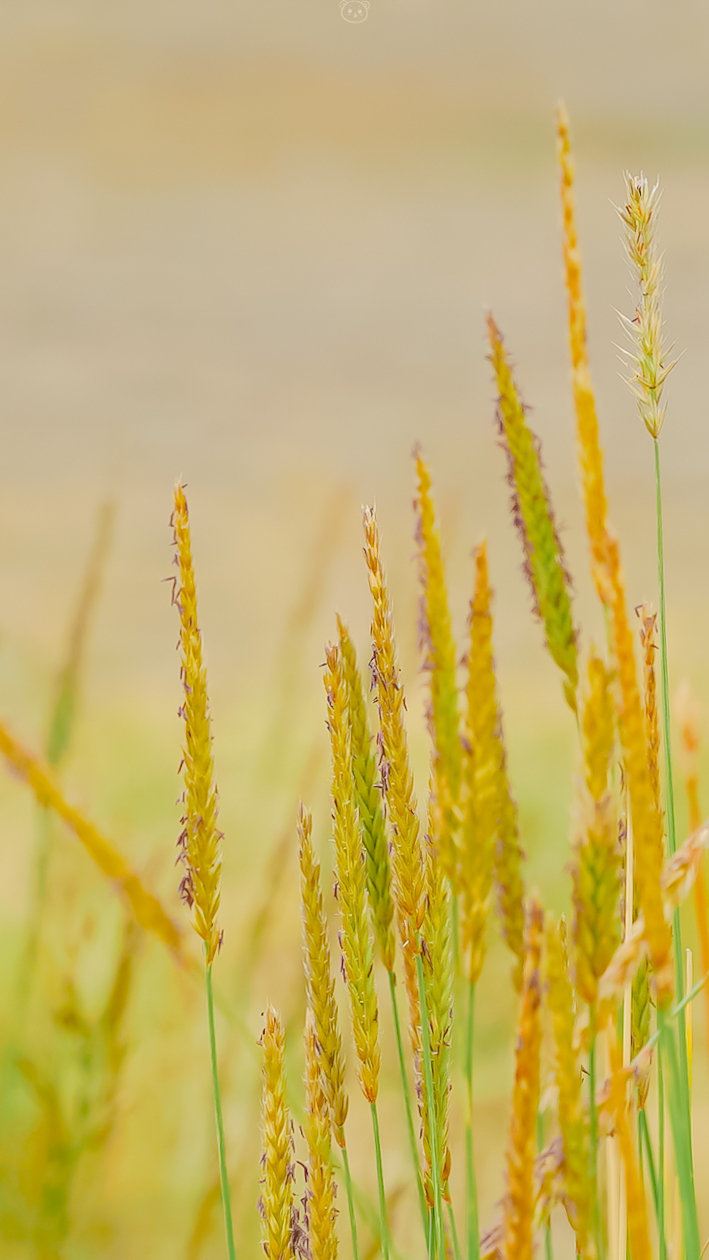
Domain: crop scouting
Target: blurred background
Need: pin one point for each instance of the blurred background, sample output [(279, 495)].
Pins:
[(251, 246)]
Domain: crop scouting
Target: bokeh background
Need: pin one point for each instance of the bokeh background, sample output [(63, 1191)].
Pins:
[(251, 246)]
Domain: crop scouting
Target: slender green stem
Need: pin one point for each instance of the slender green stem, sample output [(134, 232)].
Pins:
[(645, 1145), (226, 1197), (383, 1221), (438, 1250), (350, 1202), (661, 1137), (593, 1129), (679, 1122), (454, 1231), (407, 1102), (471, 1183)]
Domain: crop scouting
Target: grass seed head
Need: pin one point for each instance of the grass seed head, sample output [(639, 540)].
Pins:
[(200, 839)]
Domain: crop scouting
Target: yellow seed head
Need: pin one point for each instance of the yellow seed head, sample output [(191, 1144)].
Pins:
[(440, 660), (320, 990), (438, 979), (531, 507), (276, 1205), (484, 780), (369, 804), (144, 905), (587, 434), (321, 1209), (200, 840), (646, 819), (408, 866), (351, 883), (596, 864)]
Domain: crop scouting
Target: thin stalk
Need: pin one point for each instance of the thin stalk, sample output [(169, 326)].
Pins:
[(682, 1142), (438, 1250), (471, 1183), (407, 1102), (661, 1136), (454, 1231), (593, 1129), (645, 1145), (226, 1197), (383, 1222), (350, 1202)]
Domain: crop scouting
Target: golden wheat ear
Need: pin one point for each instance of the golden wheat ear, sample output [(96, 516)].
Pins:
[(322, 1213), (532, 513), (200, 840)]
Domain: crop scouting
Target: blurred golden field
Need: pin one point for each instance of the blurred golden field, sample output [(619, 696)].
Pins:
[(252, 248)]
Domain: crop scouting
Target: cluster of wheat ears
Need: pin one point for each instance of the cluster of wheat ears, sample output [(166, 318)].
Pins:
[(600, 1126)]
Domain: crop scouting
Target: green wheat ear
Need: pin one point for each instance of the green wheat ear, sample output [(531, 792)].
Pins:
[(532, 511)]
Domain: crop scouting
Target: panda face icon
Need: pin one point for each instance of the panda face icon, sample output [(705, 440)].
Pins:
[(354, 10)]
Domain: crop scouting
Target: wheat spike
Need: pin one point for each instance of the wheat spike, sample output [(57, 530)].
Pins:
[(518, 1223), (439, 652), (369, 804), (351, 884), (321, 1211), (320, 989), (596, 864), (587, 433), (646, 819), (144, 905), (276, 1204), (200, 840), (531, 507), (573, 1120)]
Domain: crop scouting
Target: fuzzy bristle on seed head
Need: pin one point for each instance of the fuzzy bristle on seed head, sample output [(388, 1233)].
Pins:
[(276, 1204), (320, 989), (200, 839), (532, 513), (356, 939)]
